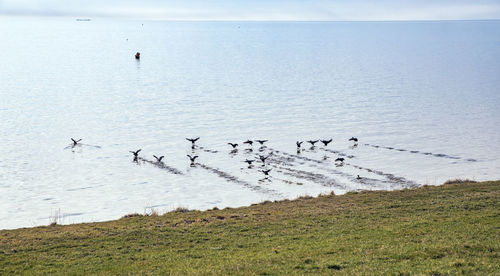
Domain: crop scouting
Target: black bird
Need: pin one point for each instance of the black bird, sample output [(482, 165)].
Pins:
[(250, 142), (312, 142), (326, 142), (136, 153), (249, 161), (137, 55), (354, 139), (261, 141), (75, 142), (340, 159), (299, 143), (233, 145), (359, 177), (158, 158), (263, 158), (193, 140), (266, 172), (192, 158)]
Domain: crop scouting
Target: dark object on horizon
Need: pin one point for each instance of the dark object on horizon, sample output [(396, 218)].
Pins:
[(340, 159), (249, 161), (359, 177), (192, 140), (261, 141), (354, 139), (326, 142), (137, 55), (136, 153), (75, 142), (233, 145), (312, 142), (299, 143), (192, 158), (250, 142), (266, 172), (158, 158)]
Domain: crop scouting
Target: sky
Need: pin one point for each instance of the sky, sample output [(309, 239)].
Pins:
[(299, 10)]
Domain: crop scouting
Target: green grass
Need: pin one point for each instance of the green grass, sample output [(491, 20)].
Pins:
[(450, 229)]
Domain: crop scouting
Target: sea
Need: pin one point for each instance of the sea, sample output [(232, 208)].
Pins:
[(422, 98)]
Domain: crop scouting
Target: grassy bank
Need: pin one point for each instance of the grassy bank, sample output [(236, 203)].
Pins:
[(450, 229)]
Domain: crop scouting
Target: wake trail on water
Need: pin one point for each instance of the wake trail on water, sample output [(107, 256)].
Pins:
[(233, 179), (162, 166), (439, 155), (287, 159)]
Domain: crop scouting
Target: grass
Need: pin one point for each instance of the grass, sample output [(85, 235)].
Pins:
[(452, 229)]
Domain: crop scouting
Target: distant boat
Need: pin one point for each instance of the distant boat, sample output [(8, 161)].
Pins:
[(83, 19)]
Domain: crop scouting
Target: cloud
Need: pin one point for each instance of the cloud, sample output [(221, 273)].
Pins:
[(260, 9)]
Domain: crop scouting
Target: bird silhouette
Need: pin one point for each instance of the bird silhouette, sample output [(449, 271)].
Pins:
[(326, 142), (249, 161), (340, 159), (359, 177), (250, 142), (233, 145), (263, 158), (354, 139), (136, 153), (266, 172), (261, 141), (192, 158), (75, 142), (299, 143), (312, 142), (192, 140), (158, 159)]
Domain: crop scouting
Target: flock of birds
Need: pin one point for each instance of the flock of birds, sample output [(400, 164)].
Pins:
[(192, 158)]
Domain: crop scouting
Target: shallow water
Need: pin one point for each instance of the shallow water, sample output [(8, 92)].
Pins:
[(422, 97)]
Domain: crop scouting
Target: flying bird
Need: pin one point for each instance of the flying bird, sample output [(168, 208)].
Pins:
[(261, 141), (263, 158), (75, 142), (158, 159), (326, 142), (249, 161), (266, 172), (340, 159), (136, 153), (299, 143), (192, 140), (354, 139), (233, 145), (192, 158), (250, 142), (312, 142)]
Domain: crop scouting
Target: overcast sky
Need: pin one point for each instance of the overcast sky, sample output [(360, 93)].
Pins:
[(259, 9)]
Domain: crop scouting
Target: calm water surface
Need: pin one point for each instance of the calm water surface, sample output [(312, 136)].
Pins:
[(422, 97)]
